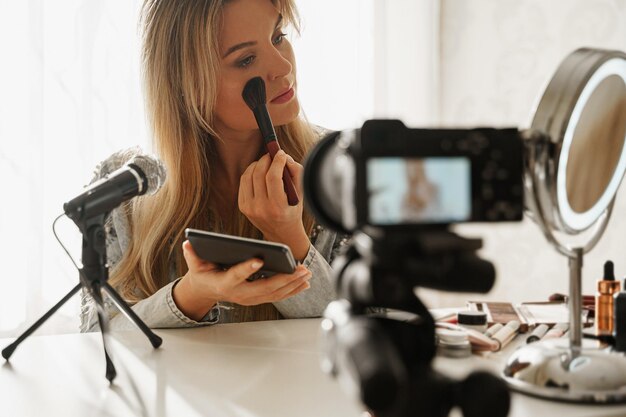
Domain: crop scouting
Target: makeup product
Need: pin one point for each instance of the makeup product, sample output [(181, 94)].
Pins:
[(254, 96), (537, 333), (453, 343), (548, 313), (556, 331), (607, 287), (507, 333), (479, 341), (499, 312), (586, 299), (493, 329), (588, 306), (444, 314), (474, 320), (619, 328)]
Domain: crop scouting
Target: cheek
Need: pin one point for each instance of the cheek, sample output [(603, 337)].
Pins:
[(230, 108), (232, 111)]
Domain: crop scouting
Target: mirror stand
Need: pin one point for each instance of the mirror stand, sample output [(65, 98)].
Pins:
[(571, 369)]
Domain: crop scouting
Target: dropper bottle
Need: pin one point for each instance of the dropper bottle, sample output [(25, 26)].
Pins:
[(619, 330), (607, 287)]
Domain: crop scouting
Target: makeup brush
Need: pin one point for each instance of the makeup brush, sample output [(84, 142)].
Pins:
[(254, 96)]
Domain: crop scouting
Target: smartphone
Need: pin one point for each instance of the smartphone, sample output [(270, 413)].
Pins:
[(227, 250)]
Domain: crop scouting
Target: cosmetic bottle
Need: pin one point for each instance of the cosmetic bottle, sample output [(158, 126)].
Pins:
[(619, 328), (607, 287), (475, 320), (453, 343)]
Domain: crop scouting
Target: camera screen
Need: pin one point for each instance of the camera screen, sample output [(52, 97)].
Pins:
[(424, 190)]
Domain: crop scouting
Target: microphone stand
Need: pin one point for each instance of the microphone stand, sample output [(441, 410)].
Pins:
[(93, 277)]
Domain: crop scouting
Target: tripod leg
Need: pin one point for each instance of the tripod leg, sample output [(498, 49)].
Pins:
[(111, 373), (8, 351), (132, 316)]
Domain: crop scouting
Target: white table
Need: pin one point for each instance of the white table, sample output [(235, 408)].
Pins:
[(250, 369), (245, 370)]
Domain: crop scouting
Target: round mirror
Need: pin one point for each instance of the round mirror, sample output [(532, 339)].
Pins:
[(596, 150), (575, 162), (583, 112)]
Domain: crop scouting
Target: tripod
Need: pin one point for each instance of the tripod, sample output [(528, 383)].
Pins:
[(390, 361), (93, 277)]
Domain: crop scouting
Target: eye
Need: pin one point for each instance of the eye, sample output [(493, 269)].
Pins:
[(246, 61), (278, 39)]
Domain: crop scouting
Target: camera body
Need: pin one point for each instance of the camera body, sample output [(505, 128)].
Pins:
[(392, 177), (396, 191)]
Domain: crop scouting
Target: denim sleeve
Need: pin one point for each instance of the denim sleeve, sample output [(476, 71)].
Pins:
[(312, 302), (157, 311)]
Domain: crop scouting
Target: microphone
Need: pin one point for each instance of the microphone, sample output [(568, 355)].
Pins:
[(143, 174), (255, 97)]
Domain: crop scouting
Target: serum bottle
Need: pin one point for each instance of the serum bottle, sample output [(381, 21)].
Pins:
[(619, 330), (607, 288)]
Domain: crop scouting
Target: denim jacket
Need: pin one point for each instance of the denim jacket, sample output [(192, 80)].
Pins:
[(159, 309)]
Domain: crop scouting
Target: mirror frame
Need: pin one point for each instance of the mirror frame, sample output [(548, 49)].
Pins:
[(557, 115)]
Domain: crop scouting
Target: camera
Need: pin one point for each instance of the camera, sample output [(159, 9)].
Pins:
[(397, 191), (387, 176)]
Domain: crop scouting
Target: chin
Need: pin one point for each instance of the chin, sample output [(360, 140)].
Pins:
[(285, 114)]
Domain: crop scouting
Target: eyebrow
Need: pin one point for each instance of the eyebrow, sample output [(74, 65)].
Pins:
[(249, 43)]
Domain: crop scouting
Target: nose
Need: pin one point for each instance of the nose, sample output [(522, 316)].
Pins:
[(279, 65)]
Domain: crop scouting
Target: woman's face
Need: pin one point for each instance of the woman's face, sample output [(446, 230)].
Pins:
[(252, 44)]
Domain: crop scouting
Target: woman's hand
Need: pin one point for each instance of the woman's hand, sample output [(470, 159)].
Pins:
[(263, 201), (205, 284)]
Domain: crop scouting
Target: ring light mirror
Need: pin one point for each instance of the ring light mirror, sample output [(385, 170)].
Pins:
[(575, 162)]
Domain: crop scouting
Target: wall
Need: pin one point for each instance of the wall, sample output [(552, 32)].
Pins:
[(495, 59)]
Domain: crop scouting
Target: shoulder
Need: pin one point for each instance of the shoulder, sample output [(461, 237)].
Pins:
[(328, 242), (320, 131)]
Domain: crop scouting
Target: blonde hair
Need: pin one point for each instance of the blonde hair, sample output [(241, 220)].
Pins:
[(181, 69)]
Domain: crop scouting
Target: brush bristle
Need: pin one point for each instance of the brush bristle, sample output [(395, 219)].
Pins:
[(254, 93)]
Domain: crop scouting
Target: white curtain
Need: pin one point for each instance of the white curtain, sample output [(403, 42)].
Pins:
[(70, 94), (360, 59)]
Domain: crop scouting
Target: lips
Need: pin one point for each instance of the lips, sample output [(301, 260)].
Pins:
[(284, 96)]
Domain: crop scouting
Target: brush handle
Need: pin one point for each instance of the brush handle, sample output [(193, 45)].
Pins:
[(266, 127), (292, 197)]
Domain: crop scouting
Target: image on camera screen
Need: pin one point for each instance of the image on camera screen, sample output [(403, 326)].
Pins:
[(418, 190)]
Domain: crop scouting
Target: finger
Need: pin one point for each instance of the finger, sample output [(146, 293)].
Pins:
[(282, 292), (302, 287), (194, 262), (272, 289), (246, 191), (274, 178), (258, 176), (278, 281), (240, 272), (296, 170)]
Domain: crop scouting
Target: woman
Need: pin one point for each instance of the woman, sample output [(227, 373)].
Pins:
[(197, 57), (420, 202)]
